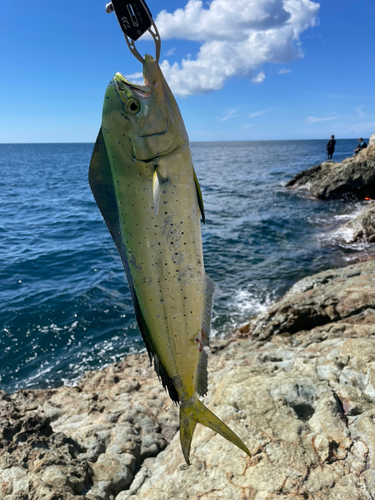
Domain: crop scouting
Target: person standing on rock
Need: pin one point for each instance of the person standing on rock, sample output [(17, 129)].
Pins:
[(331, 147), (361, 145)]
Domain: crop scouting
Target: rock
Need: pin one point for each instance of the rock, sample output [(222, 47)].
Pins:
[(85, 441), (335, 296), (110, 476), (362, 227), (354, 176), (35, 462), (306, 433), (297, 384), (372, 140)]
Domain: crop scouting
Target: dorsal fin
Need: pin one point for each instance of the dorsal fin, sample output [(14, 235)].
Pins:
[(101, 183)]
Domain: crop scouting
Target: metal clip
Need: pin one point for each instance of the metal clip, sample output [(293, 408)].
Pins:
[(135, 19)]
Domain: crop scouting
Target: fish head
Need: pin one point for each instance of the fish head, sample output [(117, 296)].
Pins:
[(146, 115)]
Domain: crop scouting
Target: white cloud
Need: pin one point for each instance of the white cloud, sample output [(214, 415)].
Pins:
[(362, 129), (258, 113), (359, 111), (259, 77), (284, 71), (170, 52), (235, 37), (232, 113), (314, 119), (136, 78)]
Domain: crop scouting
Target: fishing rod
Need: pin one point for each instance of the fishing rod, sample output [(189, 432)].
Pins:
[(135, 19)]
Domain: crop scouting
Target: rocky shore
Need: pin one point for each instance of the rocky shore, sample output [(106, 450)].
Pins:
[(353, 177), (297, 384), (362, 227)]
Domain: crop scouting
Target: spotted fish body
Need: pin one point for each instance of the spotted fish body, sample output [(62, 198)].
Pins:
[(143, 180)]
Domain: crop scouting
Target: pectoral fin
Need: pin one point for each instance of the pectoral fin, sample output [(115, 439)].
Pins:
[(200, 197), (156, 191), (158, 179)]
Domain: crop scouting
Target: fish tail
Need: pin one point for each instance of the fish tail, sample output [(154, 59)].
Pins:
[(194, 411)]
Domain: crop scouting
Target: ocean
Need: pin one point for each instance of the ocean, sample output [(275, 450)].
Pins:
[(65, 303)]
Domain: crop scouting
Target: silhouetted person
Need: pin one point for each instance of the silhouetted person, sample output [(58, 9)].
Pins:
[(361, 145), (331, 147)]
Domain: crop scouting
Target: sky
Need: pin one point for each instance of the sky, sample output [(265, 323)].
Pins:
[(240, 69)]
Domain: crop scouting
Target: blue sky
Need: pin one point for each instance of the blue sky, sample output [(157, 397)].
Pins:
[(233, 65)]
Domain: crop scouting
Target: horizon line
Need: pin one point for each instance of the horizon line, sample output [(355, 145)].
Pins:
[(238, 140)]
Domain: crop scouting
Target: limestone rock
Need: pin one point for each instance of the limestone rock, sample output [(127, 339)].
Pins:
[(372, 140), (354, 176)]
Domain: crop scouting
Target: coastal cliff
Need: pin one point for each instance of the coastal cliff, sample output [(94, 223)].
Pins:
[(297, 384)]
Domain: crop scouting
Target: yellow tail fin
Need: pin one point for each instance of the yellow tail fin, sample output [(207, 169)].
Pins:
[(194, 411)]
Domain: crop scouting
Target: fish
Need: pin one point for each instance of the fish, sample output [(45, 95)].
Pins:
[(143, 180)]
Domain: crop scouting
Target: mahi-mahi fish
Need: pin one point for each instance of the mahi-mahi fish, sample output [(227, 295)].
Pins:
[(143, 180)]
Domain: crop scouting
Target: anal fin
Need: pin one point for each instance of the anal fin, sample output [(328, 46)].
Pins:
[(201, 385), (200, 197), (210, 291)]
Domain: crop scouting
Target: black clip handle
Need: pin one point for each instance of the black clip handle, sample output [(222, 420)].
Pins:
[(135, 19)]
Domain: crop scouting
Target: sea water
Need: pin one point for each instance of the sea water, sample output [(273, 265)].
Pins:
[(65, 303)]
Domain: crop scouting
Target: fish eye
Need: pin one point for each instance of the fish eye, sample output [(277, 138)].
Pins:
[(133, 106)]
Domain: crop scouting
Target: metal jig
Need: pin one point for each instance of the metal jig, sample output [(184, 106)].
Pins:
[(135, 19)]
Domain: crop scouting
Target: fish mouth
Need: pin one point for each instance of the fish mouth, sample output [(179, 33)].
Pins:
[(158, 155), (121, 84)]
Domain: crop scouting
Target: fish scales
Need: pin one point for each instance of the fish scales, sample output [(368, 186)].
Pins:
[(164, 251), (143, 180)]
